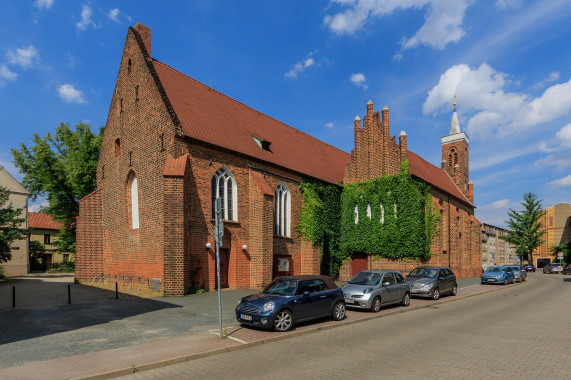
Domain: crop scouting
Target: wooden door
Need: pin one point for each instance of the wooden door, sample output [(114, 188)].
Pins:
[(359, 262)]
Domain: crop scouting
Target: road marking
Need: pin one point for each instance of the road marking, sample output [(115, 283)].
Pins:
[(217, 332)]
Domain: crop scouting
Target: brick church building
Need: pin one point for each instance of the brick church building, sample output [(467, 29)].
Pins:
[(172, 145)]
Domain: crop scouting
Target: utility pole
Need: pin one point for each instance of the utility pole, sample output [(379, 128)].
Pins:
[(218, 233)]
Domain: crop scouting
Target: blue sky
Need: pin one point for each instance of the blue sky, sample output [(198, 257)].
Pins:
[(314, 65)]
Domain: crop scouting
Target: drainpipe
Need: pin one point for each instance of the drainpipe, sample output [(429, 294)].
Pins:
[(449, 235)]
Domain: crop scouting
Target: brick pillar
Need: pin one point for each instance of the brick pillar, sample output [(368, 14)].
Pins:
[(176, 217), (89, 243)]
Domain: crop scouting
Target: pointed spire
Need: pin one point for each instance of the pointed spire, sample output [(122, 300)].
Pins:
[(454, 125)]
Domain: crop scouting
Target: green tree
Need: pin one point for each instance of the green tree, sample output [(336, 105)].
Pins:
[(61, 168), (37, 255), (563, 247), (525, 229), (10, 222)]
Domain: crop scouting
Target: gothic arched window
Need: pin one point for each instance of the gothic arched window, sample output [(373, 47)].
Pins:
[(283, 210), (133, 200), (224, 187)]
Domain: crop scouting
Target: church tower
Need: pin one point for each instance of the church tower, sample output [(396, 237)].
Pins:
[(455, 156)]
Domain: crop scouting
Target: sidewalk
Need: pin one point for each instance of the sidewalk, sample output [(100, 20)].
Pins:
[(139, 357)]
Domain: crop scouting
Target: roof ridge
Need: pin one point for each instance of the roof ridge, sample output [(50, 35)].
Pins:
[(247, 106)]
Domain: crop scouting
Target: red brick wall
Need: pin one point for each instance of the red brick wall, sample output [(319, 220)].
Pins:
[(88, 249)]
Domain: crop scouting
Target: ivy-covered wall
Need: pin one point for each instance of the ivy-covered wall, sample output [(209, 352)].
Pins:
[(391, 217)]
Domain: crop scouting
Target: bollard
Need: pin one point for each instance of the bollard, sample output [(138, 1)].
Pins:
[(116, 291), (13, 296), (69, 294)]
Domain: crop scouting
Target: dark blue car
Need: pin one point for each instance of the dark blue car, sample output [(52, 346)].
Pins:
[(292, 299)]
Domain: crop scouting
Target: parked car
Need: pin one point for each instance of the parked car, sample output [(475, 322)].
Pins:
[(567, 269), (498, 275), (292, 299), (553, 268), (371, 289), (519, 273), (529, 267), (432, 282)]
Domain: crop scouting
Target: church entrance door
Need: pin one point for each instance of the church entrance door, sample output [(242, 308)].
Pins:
[(359, 262)]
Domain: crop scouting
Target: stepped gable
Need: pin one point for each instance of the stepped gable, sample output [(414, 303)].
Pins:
[(42, 221), (212, 117)]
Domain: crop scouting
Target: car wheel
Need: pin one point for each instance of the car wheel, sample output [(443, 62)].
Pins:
[(283, 321), (513, 280), (454, 290), (405, 300), (338, 311), (436, 294), (376, 305), (506, 281)]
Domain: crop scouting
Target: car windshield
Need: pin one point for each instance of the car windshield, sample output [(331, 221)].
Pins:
[(282, 287), (366, 278), (496, 270), (424, 272), (516, 268), (555, 265)]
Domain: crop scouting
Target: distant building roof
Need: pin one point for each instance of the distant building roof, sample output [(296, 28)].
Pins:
[(42, 221)]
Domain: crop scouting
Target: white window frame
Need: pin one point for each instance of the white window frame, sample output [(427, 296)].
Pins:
[(283, 210), (224, 176)]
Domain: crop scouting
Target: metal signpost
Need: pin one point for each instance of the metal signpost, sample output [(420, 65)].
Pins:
[(218, 233), (560, 256)]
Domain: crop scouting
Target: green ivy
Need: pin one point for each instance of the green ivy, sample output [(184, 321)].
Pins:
[(328, 219)]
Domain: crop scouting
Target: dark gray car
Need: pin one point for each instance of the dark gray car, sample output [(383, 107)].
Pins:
[(370, 289), (432, 282)]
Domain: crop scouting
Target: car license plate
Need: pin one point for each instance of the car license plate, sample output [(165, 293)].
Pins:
[(349, 300), (246, 317)]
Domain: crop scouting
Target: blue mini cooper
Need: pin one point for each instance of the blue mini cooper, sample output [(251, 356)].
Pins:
[(292, 299)]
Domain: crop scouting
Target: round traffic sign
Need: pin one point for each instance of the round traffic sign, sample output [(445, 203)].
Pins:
[(560, 255)]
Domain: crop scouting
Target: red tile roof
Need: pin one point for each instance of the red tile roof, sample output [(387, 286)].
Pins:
[(212, 117), (435, 176), (42, 221), (262, 183)]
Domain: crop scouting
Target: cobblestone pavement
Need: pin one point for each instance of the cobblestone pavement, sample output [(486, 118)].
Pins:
[(44, 327), (519, 332)]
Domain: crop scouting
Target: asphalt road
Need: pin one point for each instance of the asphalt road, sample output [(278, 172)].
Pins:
[(518, 332)]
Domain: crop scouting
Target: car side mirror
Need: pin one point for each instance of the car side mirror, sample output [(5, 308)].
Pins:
[(386, 283), (306, 293)]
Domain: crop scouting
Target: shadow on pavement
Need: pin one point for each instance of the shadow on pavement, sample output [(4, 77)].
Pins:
[(42, 307)]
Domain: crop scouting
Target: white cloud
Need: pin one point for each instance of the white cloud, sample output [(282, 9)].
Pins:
[(85, 18), (329, 125), (559, 160), (23, 57), (490, 109), (37, 207), (47, 4), (508, 4), (68, 93), (6, 75), (552, 77), (495, 213), (359, 80), (564, 136), (565, 181), (114, 14), (442, 21), (299, 68)]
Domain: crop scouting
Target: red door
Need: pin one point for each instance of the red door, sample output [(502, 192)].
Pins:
[(224, 263), (359, 262)]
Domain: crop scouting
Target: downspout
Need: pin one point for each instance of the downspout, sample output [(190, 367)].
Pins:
[(449, 234)]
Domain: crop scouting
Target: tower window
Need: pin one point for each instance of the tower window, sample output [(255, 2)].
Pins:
[(129, 66), (137, 93), (117, 147), (283, 210)]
